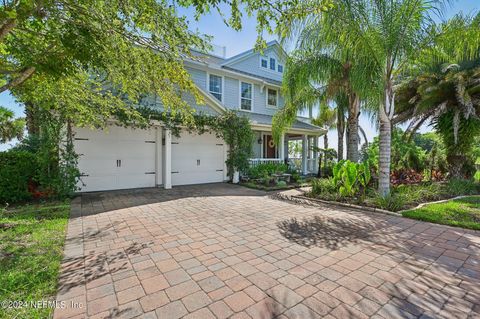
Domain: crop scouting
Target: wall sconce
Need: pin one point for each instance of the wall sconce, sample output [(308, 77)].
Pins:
[(259, 141)]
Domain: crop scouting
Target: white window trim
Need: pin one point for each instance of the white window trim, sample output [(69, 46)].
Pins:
[(240, 95), (270, 64), (267, 69), (223, 85), (266, 98), (262, 58)]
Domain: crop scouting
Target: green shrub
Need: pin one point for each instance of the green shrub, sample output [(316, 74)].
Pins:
[(420, 192), (281, 183), (457, 187), (392, 202), (323, 186), (266, 169), (17, 168), (476, 177)]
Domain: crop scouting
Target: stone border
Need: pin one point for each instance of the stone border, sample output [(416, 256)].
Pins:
[(307, 201), (300, 199), (436, 202)]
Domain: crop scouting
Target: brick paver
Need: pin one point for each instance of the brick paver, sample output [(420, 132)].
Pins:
[(223, 251)]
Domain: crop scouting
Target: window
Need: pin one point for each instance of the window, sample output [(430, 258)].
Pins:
[(272, 64), (272, 98), (246, 96), (264, 63), (280, 68), (215, 86)]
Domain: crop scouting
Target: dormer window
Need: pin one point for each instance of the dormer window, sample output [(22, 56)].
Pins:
[(272, 98), (264, 63), (215, 86), (272, 64), (280, 68)]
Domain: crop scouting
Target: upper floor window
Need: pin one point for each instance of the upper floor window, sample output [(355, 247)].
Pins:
[(215, 86), (246, 94), (272, 98), (264, 63), (280, 68), (272, 64)]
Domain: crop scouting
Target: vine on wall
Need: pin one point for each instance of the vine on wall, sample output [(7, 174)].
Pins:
[(235, 130)]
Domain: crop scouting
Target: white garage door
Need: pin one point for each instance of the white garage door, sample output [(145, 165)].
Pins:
[(197, 159), (116, 158)]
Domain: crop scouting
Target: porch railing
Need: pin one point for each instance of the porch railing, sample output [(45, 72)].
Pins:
[(256, 161)]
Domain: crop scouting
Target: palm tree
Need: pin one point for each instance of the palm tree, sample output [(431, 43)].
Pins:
[(319, 70), (10, 127), (443, 86), (383, 35), (327, 119)]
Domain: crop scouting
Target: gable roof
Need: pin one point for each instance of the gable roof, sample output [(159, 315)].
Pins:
[(251, 52)]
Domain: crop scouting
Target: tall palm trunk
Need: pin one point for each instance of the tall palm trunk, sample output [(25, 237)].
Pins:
[(352, 128), (385, 140), (340, 134)]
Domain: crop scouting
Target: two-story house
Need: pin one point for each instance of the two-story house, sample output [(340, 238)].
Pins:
[(250, 83)]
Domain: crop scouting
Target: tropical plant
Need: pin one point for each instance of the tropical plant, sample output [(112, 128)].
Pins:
[(383, 35), (10, 127), (349, 177), (442, 86), (405, 155)]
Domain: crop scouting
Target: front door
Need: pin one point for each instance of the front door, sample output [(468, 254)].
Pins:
[(269, 148)]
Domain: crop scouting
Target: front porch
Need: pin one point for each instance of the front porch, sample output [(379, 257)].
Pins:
[(295, 149)]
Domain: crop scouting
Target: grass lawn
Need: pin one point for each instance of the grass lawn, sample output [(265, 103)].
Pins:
[(31, 248), (464, 212)]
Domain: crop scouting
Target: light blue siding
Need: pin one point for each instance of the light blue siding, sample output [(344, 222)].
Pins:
[(199, 77), (232, 91), (252, 64), (156, 103)]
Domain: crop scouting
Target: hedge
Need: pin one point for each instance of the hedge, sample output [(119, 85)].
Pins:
[(17, 168)]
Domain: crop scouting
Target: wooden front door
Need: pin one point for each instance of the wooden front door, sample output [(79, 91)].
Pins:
[(269, 148)]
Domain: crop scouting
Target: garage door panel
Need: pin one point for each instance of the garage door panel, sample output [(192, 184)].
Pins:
[(99, 151), (191, 148), (198, 177), (135, 180), (96, 166), (96, 183)]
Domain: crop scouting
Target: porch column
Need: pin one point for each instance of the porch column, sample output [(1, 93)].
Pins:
[(281, 148), (167, 179), (315, 154), (158, 156), (304, 154)]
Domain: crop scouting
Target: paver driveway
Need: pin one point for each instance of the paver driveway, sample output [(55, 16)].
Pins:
[(222, 251)]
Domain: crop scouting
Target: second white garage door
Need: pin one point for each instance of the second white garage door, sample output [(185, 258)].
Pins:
[(197, 159)]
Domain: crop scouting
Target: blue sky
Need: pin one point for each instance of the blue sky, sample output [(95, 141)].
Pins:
[(237, 42)]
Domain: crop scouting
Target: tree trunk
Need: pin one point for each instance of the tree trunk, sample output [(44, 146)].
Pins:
[(31, 118), (352, 128), (24, 75), (455, 166), (325, 158), (340, 134), (385, 137)]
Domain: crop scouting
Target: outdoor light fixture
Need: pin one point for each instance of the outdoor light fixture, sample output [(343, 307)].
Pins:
[(259, 140)]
